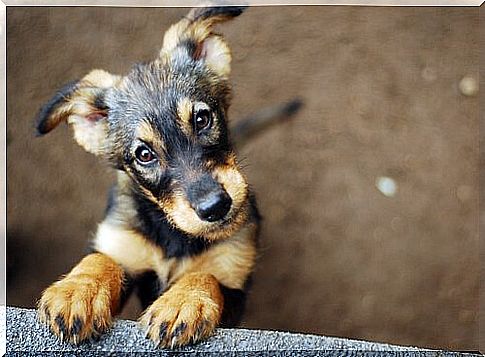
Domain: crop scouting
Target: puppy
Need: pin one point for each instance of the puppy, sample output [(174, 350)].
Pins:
[(181, 224)]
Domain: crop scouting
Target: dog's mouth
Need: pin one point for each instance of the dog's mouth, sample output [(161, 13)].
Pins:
[(220, 221)]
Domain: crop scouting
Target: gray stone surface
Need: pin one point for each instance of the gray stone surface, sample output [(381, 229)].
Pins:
[(26, 336)]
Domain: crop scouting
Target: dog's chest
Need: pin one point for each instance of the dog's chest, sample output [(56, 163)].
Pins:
[(133, 251), (139, 255)]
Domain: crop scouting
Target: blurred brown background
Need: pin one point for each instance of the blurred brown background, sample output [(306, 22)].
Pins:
[(382, 97)]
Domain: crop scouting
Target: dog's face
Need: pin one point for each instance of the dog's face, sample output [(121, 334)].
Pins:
[(164, 124)]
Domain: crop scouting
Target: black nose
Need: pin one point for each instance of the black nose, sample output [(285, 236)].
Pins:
[(213, 206)]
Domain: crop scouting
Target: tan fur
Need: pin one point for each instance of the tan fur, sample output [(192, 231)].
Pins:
[(217, 55), (230, 262), (85, 300), (179, 211), (182, 215), (148, 134), (90, 134), (77, 104), (212, 48), (188, 312), (80, 102), (233, 182), (127, 247), (184, 112), (100, 79), (131, 250)]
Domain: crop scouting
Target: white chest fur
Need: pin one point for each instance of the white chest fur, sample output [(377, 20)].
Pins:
[(132, 251)]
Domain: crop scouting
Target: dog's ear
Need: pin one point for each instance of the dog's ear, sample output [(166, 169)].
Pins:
[(194, 36), (80, 103)]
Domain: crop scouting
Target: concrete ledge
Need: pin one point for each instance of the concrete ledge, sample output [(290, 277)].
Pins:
[(26, 335)]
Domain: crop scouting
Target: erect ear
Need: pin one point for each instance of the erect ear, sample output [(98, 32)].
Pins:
[(194, 36), (81, 103)]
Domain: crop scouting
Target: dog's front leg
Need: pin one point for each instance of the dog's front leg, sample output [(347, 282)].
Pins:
[(82, 304), (187, 312)]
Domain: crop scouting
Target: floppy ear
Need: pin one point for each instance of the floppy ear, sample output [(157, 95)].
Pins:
[(194, 36), (80, 103)]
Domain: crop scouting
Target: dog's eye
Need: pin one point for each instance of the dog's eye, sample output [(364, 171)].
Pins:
[(202, 120), (144, 155)]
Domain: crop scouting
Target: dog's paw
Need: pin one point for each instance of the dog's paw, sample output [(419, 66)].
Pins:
[(76, 308), (185, 314)]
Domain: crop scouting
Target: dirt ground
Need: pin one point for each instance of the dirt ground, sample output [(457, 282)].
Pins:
[(382, 99)]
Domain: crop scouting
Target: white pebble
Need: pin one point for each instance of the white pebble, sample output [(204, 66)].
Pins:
[(468, 86), (387, 186)]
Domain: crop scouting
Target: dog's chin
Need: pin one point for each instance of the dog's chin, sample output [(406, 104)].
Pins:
[(186, 220)]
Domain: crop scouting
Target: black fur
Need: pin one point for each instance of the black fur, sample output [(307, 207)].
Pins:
[(204, 185), (141, 100), (234, 306), (61, 324), (126, 289), (99, 102), (149, 288), (191, 46), (203, 13), (46, 110)]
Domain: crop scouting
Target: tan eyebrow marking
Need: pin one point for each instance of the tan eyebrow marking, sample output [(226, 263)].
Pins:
[(147, 133), (184, 111)]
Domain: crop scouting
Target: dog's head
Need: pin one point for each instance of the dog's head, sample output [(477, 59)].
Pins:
[(164, 124)]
